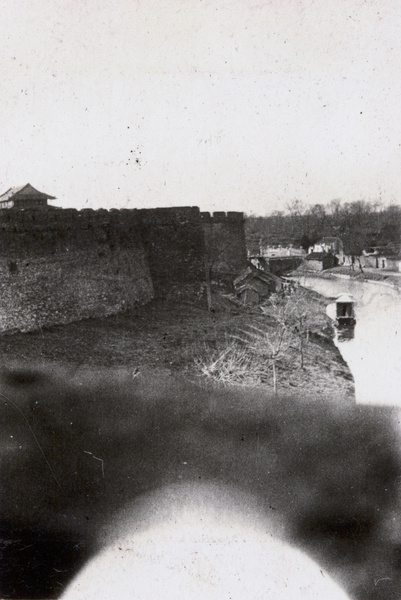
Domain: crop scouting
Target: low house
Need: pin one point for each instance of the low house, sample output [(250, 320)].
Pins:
[(387, 262), (329, 245), (25, 196), (254, 286), (381, 258), (393, 263), (277, 265), (320, 261)]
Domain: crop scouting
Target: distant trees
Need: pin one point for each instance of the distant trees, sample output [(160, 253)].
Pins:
[(359, 224), (304, 242)]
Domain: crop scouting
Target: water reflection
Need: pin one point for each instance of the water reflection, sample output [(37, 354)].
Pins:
[(344, 334), (373, 353)]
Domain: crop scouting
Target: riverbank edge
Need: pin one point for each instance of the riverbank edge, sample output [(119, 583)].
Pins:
[(387, 279), (324, 374), (325, 335)]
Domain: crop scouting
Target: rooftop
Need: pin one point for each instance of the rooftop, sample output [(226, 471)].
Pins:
[(24, 191)]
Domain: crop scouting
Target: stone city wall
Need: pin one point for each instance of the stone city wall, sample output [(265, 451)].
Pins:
[(62, 265), (225, 244)]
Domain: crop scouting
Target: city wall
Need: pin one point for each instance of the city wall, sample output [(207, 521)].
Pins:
[(174, 245), (224, 235), (60, 265)]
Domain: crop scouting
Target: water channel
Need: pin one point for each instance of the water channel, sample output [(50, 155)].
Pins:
[(374, 353)]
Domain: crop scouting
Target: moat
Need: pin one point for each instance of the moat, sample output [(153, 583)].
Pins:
[(374, 352)]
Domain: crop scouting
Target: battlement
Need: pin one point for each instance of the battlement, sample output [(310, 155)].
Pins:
[(50, 217), (222, 217), (69, 218), (171, 214)]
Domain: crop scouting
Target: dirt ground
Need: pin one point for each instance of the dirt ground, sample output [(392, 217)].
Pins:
[(179, 336)]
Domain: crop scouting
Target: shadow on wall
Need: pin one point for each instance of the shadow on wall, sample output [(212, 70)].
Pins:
[(59, 266)]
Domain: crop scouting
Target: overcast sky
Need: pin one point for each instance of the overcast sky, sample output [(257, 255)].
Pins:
[(225, 104)]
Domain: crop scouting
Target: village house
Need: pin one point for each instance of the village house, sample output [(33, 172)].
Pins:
[(254, 285), (320, 261), (281, 251), (329, 245), (25, 196), (379, 257), (278, 265)]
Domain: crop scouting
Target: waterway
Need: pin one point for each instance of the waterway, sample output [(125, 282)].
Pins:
[(374, 353)]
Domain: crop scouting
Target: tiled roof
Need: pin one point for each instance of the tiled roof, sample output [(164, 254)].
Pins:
[(24, 191), (253, 273)]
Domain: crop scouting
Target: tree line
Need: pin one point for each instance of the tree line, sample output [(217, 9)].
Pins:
[(360, 225)]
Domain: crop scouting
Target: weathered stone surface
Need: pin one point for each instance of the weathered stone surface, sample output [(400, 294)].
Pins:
[(59, 266)]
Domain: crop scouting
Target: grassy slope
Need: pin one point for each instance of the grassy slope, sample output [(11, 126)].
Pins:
[(177, 335)]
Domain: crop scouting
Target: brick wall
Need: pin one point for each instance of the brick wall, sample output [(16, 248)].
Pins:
[(62, 266), (225, 244), (174, 245), (59, 266)]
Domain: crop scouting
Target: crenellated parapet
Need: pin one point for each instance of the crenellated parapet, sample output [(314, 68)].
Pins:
[(222, 217), (63, 218)]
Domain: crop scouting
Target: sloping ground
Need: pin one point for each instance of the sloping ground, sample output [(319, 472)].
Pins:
[(178, 335)]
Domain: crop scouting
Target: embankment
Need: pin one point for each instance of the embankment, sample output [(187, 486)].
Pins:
[(180, 335), (388, 278)]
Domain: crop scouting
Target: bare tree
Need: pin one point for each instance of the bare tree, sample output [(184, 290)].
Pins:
[(274, 341), (295, 207), (298, 317), (291, 312)]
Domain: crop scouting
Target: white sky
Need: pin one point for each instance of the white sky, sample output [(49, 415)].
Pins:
[(224, 104)]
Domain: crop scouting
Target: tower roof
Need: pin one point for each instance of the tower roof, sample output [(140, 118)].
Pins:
[(24, 192)]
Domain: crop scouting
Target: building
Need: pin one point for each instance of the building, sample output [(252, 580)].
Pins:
[(381, 257), (320, 261), (384, 261), (329, 245), (282, 251), (254, 285), (25, 196)]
